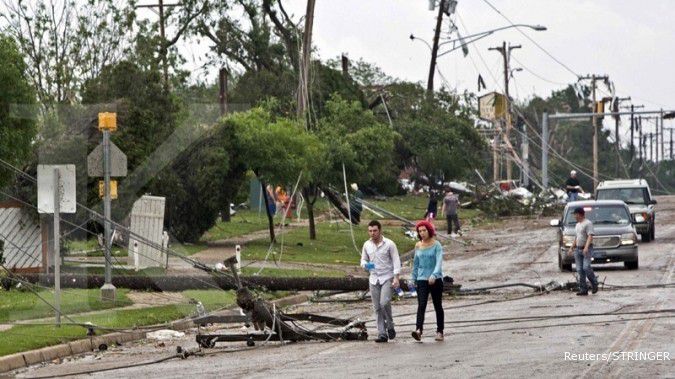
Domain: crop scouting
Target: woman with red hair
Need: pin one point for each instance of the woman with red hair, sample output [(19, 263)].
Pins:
[(427, 273)]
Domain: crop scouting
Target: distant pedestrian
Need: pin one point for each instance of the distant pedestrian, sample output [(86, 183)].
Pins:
[(356, 205), (380, 257), (583, 251), (432, 207), (572, 187), (271, 201), (449, 210), (427, 274)]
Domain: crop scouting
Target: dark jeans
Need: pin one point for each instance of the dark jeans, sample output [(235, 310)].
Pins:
[(584, 269), (436, 291), (452, 219)]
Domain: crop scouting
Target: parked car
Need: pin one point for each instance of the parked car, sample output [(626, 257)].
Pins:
[(615, 239), (638, 196)]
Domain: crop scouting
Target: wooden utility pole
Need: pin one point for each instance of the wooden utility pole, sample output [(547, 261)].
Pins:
[(434, 48), (671, 144), (640, 150), (165, 66), (222, 94), (495, 154), (651, 147), (222, 100), (305, 61), (663, 136), (505, 50), (617, 139), (593, 79), (163, 50)]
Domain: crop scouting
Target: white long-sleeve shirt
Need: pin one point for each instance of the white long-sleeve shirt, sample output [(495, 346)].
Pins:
[(385, 257)]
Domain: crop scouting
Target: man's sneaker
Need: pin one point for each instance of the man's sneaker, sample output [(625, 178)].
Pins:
[(381, 339), (417, 335), (582, 293), (439, 337), (594, 289), (391, 333)]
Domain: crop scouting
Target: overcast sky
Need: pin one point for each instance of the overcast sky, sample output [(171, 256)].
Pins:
[(629, 41)]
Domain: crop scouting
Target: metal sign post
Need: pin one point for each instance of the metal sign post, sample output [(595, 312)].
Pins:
[(57, 246), (107, 122), (56, 194)]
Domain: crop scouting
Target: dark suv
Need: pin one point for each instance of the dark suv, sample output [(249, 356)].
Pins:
[(615, 239), (639, 198)]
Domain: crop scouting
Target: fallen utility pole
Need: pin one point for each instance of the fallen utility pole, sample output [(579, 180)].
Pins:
[(223, 281), (282, 327)]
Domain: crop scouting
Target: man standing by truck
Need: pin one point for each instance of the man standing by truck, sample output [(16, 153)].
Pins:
[(572, 187), (583, 251)]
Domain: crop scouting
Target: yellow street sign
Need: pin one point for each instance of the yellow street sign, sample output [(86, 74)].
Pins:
[(113, 189), (107, 121)]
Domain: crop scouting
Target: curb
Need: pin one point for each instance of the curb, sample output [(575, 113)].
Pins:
[(27, 358)]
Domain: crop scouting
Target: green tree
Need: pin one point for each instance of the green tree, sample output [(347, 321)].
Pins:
[(352, 137), (439, 140), (16, 133), (276, 149), (66, 43), (173, 150)]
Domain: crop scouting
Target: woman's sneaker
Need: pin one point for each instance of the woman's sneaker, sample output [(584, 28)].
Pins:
[(417, 335), (439, 337)]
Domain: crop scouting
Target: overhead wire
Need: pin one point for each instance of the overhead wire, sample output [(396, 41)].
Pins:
[(537, 75), (514, 106), (532, 40)]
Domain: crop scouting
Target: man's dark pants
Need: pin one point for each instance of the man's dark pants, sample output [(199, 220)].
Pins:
[(452, 219)]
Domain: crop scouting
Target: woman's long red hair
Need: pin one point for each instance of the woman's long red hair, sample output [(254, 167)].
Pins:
[(426, 224)]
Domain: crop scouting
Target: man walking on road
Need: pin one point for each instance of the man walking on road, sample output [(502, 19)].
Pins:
[(380, 257), (449, 210), (583, 251), (572, 187)]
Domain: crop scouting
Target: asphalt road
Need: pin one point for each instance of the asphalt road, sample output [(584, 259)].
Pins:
[(506, 333)]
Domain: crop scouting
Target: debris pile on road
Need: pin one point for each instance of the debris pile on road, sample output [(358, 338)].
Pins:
[(270, 323)]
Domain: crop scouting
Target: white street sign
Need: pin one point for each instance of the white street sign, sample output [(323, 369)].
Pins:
[(66, 188)]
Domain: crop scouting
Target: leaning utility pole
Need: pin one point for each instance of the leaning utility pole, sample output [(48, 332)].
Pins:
[(506, 55), (305, 61), (434, 48)]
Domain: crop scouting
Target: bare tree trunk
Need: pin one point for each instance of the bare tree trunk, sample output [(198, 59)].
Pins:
[(310, 195), (270, 220)]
